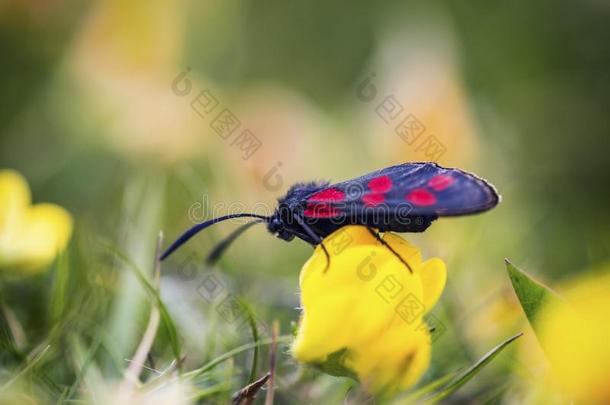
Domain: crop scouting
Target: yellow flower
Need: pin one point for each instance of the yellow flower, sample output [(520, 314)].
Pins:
[(574, 336), (124, 62), (365, 313), (30, 235)]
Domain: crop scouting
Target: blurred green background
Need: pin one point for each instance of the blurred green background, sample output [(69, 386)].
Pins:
[(517, 92)]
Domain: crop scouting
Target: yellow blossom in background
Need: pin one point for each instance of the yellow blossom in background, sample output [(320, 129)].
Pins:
[(574, 336), (124, 61), (30, 235), (366, 310), (288, 126), (421, 109)]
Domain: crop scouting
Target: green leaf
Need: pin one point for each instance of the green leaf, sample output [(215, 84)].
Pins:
[(473, 370), (335, 365), (532, 294)]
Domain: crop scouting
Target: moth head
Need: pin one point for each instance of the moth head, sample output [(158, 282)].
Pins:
[(276, 227)]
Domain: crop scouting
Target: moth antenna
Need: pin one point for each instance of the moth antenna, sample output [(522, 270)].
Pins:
[(220, 248), (200, 227)]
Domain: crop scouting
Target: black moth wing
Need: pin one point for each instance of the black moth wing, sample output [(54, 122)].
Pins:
[(405, 197)]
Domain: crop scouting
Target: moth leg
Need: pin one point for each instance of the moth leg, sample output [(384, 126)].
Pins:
[(315, 237), (327, 256), (384, 243)]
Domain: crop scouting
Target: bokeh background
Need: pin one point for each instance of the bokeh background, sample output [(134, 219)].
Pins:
[(95, 114)]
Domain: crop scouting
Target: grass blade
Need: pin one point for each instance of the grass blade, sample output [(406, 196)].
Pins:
[(255, 338), (37, 355), (232, 353), (155, 296), (427, 389), (473, 370), (82, 371)]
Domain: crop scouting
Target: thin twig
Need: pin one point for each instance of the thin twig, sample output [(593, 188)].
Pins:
[(272, 360), (15, 327), (247, 395), (132, 374)]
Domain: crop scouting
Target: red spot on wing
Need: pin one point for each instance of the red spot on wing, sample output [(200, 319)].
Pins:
[(373, 199), (321, 211), (330, 194), (421, 197), (380, 184), (440, 182)]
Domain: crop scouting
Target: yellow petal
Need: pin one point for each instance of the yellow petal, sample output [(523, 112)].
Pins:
[(368, 304), (14, 198), (30, 236), (433, 273), (361, 290), (574, 336), (407, 251), (397, 363)]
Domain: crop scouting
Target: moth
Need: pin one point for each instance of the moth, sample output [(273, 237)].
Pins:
[(404, 198)]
